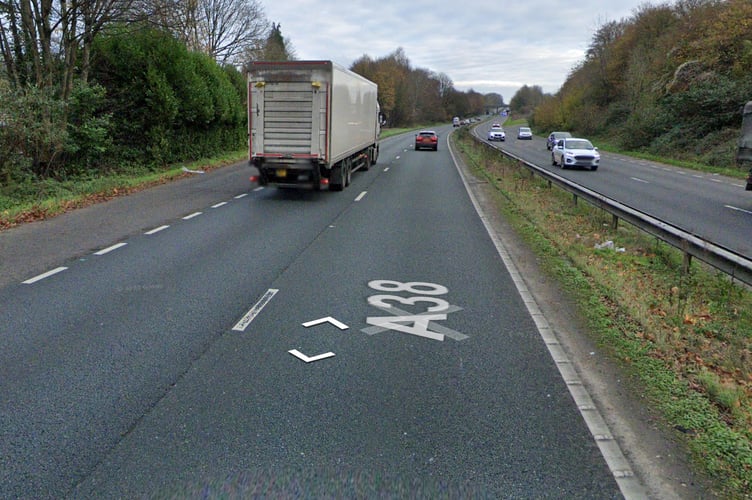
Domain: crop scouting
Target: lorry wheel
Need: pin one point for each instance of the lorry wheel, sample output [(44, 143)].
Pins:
[(337, 178)]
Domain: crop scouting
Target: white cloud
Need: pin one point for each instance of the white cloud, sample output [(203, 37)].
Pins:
[(487, 46)]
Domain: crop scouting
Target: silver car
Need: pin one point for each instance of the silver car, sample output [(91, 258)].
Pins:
[(575, 152), (525, 133)]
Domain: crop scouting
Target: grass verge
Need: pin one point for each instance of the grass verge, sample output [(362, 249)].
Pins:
[(684, 339), (28, 203)]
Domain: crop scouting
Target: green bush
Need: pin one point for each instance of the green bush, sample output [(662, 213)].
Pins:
[(32, 133), (89, 130), (168, 104)]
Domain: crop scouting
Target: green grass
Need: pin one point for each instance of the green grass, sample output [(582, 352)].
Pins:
[(29, 202)]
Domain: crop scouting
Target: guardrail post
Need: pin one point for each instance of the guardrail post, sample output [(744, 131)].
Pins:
[(614, 222), (687, 264), (575, 198)]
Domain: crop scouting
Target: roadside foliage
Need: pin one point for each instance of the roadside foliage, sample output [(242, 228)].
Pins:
[(670, 80), (682, 340)]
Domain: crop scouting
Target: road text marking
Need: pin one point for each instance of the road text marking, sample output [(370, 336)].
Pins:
[(421, 323)]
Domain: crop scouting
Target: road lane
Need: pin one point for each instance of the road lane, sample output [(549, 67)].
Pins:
[(91, 349), (711, 206), (391, 411)]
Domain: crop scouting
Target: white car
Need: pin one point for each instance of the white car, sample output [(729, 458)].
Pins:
[(525, 133), (497, 134), (575, 152)]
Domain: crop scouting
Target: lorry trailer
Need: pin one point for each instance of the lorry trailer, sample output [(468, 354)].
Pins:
[(310, 123)]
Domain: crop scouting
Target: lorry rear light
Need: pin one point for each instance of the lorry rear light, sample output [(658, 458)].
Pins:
[(324, 182)]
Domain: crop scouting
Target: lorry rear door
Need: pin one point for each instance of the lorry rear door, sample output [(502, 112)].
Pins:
[(288, 119)]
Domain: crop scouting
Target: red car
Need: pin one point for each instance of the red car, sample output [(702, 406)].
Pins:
[(426, 139)]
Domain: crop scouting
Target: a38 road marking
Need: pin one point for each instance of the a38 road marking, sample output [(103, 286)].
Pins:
[(412, 293)]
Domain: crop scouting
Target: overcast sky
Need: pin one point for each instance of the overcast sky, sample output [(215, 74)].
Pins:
[(487, 45)]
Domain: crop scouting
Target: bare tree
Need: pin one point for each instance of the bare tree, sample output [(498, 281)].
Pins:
[(223, 29), (41, 40)]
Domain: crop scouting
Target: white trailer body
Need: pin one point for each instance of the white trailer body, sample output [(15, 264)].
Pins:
[(310, 123)]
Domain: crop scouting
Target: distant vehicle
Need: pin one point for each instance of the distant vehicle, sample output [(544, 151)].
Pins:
[(456, 121), (496, 125), (554, 137), (525, 133), (575, 152), (497, 134), (426, 139)]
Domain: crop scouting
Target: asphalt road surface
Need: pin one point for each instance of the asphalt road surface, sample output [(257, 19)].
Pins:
[(711, 206), (168, 344)]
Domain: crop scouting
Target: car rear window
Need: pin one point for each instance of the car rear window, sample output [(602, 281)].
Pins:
[(579, 144)]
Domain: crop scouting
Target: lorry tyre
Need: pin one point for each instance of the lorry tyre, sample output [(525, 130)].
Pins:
[(337, 178)]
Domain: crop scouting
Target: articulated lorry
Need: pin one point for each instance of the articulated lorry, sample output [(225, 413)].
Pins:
[(310, 123)]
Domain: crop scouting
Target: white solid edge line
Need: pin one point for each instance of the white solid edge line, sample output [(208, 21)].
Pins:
[(631, 487), (110, 249), (44, 275), (243, 323)]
